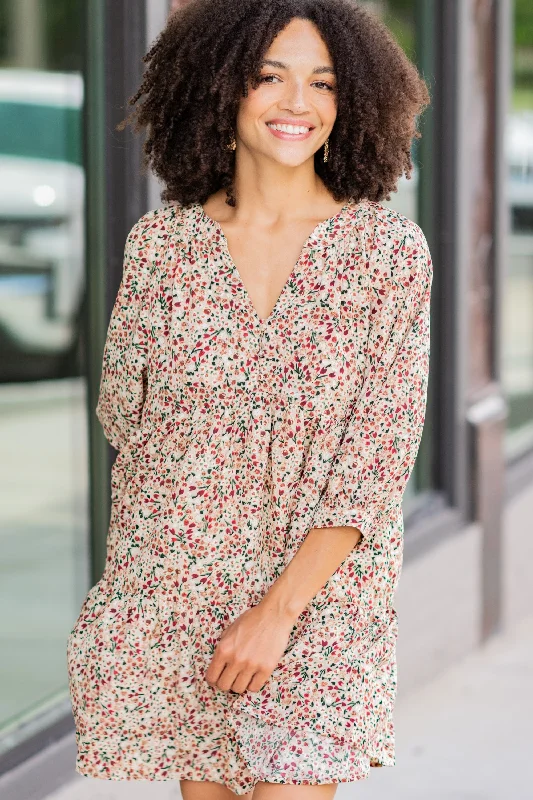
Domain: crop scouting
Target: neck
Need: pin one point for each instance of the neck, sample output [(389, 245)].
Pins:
[(266, 191)]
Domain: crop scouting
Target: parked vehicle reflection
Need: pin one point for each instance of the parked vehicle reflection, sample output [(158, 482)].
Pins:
[(41, 223)]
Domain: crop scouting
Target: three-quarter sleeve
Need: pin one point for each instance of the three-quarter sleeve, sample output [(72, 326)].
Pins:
[(123, 380), (383, 430)]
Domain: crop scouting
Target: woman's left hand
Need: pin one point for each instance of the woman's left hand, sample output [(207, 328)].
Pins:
[(249, 650)]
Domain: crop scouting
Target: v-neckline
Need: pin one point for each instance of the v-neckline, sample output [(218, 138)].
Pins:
[(261, 322)]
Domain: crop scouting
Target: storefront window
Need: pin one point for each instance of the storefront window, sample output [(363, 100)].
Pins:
[(517, 350), (400, 16), (43, 420)]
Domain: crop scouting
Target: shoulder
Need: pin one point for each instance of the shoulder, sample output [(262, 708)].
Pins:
[(148, 242), (397, 248), (155, 227)]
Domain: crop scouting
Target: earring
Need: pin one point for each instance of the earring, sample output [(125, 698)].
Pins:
[(233, 144), (326, 150)]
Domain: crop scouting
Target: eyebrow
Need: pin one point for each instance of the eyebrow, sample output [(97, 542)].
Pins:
[(281, 65)]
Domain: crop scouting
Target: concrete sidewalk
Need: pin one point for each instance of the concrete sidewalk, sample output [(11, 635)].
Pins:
[(467, 735)]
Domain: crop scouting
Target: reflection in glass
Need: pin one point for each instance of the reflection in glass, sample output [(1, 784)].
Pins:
[(43, 513)]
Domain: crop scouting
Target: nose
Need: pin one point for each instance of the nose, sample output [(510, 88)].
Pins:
[(295, 99)]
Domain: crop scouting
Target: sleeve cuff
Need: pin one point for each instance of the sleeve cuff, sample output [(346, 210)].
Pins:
[(330, 518)]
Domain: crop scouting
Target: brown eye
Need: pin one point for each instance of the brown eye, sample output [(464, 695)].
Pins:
[(266, 78)]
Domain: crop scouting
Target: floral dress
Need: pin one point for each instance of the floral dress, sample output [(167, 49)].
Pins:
[(236, 436)]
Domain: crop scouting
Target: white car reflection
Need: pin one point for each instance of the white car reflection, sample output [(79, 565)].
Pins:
[(42, 187)]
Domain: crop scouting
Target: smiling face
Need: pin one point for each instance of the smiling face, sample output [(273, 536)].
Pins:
[(290, 113)]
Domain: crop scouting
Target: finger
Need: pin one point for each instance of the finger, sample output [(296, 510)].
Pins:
[(242, 682), (215, 669), (257, 682), (227, 678)]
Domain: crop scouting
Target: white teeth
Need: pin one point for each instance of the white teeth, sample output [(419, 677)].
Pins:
[(295, 129)]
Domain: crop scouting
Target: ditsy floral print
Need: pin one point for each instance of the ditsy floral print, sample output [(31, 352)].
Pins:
[(237, 435)]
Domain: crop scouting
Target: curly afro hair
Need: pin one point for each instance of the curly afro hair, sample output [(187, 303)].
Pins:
[(208, 54)]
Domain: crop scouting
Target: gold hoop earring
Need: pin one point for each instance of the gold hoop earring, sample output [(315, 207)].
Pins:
[(326, 150), (233, 144)]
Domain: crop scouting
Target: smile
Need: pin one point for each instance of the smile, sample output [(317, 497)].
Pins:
[(292, 132)]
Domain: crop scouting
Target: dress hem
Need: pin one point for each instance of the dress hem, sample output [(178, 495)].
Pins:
[(99, 767), (182, 774)]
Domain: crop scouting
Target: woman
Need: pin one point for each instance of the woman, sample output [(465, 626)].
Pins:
[(264, 381)]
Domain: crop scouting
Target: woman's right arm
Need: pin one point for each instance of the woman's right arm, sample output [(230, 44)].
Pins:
[(124, 369)]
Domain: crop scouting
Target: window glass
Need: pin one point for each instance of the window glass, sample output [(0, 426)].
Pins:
[(43, 421), (517, 345), (400, 16)]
